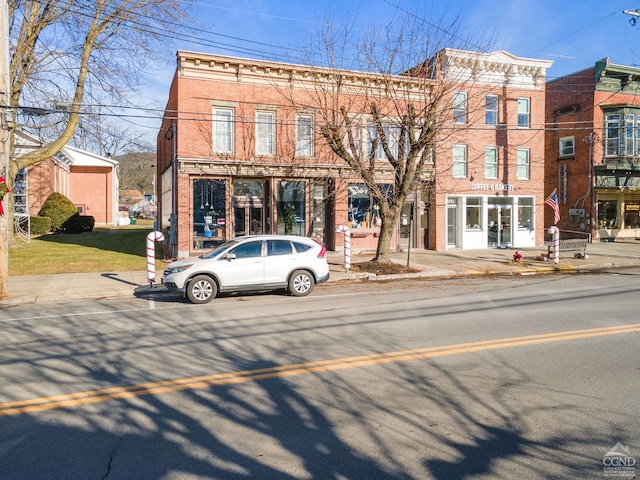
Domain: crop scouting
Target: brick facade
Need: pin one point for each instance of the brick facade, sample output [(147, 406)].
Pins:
[(204, 83), (590, 180)]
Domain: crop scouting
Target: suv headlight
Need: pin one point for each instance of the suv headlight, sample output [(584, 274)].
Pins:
[(178, 269)]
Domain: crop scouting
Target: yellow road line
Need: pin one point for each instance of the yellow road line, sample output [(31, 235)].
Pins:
[(154, 388)]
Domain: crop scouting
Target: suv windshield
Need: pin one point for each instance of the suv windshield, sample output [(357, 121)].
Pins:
[(216, 251)]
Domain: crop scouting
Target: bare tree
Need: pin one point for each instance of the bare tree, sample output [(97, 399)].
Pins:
[(74, 51), (380, 106)]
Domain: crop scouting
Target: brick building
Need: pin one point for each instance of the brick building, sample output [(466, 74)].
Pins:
[(90, 181), (236, 157), (593, 150)]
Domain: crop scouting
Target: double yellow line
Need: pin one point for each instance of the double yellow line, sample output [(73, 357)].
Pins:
[(155, 388)]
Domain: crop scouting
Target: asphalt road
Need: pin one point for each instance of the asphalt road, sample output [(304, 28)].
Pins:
[(492, 377)]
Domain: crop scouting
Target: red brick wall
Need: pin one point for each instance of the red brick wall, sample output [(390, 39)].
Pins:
[(92, 188), (571, 110)]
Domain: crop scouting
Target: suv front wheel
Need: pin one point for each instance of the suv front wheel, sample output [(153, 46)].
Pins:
[(202, 289), (301, 283)]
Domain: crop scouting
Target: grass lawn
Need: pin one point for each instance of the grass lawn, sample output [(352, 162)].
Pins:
[(105, 249)]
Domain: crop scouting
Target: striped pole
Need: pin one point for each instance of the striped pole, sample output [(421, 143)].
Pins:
[(151, 255), (555, 233), (347, 245)]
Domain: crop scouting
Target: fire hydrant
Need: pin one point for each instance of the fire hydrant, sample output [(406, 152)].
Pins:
[(517, 257)]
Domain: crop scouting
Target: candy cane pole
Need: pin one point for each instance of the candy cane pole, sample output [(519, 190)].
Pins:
[(347, 245), (151, 255), (555, 233)]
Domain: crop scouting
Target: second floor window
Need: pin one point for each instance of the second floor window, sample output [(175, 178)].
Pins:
[(304, 136), (223, 130), (459, 107), (612, 135), (491, 110), (491, 162), (567, 146), (265, 133), (524, 113), (459, 161), (522, 167)]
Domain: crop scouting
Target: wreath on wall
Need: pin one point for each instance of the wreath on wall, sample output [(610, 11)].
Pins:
[(4, 189)]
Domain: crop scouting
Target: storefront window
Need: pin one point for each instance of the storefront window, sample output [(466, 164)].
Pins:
[(608, 214), (474, 213), (363, 209), (525, 213), (291, 208), (209, 213), (631, 215)]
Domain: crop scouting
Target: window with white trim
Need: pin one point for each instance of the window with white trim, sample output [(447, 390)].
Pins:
[(459, 107), (459, 161), (491, 162), (629, 137), (524, 113), (566, 146), (612, 135), (491, 110), (265, 133), (304, 135), (223, 130), (522, 166)]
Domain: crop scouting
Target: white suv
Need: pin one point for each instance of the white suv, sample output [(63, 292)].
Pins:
[(259, 262)]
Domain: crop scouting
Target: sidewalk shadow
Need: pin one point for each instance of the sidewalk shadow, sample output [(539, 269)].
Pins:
[(112, 276)]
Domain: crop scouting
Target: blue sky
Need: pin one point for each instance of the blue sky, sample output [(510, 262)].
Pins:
[(573, 34)]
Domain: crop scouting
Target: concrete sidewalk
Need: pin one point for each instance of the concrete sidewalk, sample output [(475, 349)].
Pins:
[(41, 288)]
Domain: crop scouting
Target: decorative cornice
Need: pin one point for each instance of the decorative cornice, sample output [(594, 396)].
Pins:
[(236, 168), (496, 68)]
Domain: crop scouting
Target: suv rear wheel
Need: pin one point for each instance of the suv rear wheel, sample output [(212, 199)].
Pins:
[(301, 283), (202, 289)]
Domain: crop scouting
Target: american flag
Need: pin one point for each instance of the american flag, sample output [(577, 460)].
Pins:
[(552, 201)]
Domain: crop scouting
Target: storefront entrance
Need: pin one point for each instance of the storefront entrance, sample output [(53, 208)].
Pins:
[(452, 223), (248, 217), (499, 217), (249, 211)]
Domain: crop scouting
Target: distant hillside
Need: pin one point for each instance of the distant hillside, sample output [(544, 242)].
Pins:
[(137, 171)]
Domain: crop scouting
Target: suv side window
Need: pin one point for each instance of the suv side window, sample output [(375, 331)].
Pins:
[(248, 250), (279, 247), (301, 247)]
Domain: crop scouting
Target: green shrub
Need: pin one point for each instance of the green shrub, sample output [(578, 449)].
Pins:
[(59, 209), (40, 225), (78, 223)]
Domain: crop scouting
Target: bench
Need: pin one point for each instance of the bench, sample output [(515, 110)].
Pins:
[(578, 245)]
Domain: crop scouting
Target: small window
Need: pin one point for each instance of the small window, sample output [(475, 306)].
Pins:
[(629, 137), (491, 162), (525, 213), (474, 213), (265, 133), (524, 113), (567, 146), (223, 130), (459, 161), (279, 247), (522, 168), (491, 110), (612, 135), (304, 136), (459, 107)]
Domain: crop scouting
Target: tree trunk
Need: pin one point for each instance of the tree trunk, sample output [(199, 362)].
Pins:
[(389, 218)]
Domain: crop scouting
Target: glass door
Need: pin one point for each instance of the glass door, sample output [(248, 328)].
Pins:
[(248, 220), (452, 222), (499, 232)]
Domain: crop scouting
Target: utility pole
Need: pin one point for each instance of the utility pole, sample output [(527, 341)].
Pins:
[(5, 223)]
